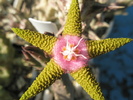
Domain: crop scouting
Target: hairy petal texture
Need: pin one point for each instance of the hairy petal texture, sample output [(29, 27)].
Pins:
[(79, 53), (86, 79), (73, 22), (42, 41), (98, 47), (50, 73)]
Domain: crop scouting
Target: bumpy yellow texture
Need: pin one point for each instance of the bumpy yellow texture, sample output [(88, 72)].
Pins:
[(73, 22), (98, 47), (42, 41), (49, 74), (86, 79)]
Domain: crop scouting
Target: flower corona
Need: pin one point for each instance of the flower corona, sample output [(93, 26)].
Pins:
[(71, 53)]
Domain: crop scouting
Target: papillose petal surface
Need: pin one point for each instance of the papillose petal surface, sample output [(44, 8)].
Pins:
[(73, 22), (87, 80), (48, 76), (98, 47), (44, 42)]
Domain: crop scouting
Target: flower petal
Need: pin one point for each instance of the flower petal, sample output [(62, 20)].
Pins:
[(86, 79), (42, 41), (50, 73), (73, 22), (98, 47)]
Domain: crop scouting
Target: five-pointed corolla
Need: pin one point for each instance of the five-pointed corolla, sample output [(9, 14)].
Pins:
[(70, 54)]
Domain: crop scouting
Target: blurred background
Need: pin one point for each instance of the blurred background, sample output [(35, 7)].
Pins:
[(20, 62)]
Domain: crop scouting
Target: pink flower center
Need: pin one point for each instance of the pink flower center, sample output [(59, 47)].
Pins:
[(71, 52)]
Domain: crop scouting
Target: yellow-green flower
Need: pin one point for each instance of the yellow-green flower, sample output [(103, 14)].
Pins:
[(70, 54)]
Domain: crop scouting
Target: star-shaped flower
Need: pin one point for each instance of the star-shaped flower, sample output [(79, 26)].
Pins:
[(70, 53)]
